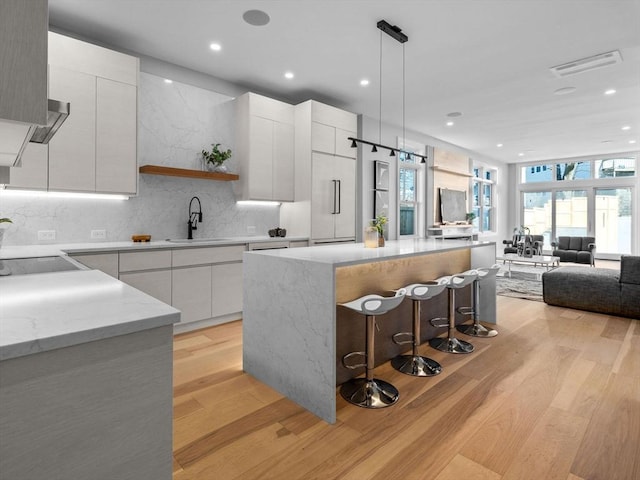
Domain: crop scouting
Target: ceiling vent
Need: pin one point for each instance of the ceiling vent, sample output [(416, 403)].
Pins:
[(586, 64)]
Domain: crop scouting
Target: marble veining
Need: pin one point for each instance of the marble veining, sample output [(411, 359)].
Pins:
[(175, 122)]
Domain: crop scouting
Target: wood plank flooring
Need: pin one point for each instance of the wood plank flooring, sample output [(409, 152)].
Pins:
[(556, 395)]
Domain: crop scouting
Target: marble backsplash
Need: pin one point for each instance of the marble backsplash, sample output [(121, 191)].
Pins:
[(175, 122)]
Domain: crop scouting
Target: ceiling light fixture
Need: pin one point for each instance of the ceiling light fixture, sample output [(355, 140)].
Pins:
[(449, 124), (288, 75), (216, 47), (364, 82), (396, 33), (499, 145), (626, 127), (521, 154), (632, 141), (257, 18), (611, 91), (166, 80)]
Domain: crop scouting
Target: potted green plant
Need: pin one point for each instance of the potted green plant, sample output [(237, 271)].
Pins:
[(215, 158), (378, 223), (471, 216)]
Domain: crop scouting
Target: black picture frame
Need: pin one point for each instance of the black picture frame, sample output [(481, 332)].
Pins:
[(381, 175), (381, 203)]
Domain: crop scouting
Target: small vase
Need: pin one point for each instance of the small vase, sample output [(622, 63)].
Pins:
[(220, 169), (381, 241)]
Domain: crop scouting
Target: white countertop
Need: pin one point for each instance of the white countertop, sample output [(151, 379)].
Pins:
[(355, 253), (46, 311), (24, 251)]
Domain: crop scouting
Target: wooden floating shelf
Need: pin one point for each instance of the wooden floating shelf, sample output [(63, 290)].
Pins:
[(184, 172), (448, 170)]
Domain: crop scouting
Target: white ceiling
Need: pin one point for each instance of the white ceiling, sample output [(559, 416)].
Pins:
[(488, 59)]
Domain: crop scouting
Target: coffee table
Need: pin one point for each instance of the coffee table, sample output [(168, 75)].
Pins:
[(544, 260)]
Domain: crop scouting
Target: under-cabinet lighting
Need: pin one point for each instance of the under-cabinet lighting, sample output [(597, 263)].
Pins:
[(79, 196), (264, 203)]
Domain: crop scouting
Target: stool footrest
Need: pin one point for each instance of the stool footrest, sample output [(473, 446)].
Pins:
[(397, 336), (465, 310), (348, 356), (439, 322)]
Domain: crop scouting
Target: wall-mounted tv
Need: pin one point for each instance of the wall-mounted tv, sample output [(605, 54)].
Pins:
[(453, 205)]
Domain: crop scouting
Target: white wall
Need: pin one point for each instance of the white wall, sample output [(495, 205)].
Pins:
[(175, 122)]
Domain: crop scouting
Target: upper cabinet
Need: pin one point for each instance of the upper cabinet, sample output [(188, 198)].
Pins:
[(264, 148), (330, 130), (23, 74), (96, 149)]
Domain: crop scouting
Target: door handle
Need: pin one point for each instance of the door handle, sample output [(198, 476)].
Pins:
[(339, 196)]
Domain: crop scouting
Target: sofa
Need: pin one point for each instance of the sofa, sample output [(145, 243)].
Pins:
[(600, 290), (516, 244), (575, 249)]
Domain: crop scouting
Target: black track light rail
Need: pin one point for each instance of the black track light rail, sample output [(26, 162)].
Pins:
[(394, 150), (393, 31)]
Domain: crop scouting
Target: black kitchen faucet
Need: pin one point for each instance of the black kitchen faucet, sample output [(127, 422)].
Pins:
[(194, 218)]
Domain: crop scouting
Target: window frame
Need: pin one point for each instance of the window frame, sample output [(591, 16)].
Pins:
[(480, 179)]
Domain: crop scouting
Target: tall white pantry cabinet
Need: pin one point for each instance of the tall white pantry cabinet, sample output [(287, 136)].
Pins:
[(325, 175), (95, 150)]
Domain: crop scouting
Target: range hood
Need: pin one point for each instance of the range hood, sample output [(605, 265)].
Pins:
[(14, 136), (56, 115)]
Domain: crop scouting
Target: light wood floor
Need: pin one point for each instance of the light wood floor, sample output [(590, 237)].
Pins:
[(556, 395)]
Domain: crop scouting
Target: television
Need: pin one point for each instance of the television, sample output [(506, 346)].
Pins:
[(453, 206)]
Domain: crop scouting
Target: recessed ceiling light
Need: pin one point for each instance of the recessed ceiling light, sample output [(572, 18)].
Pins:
[(611, 91), (521, 154), (449, 124), (364, 82), (216, 47), (564, 90), (166, 80), (454, 114), (499, 145), (288, 75), (626, 127), (632, 141), (257, 18)]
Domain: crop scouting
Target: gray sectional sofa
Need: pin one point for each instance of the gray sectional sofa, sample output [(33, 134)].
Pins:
[(599, 290)]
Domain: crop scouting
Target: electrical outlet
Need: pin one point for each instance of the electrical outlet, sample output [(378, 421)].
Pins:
[(96, 234), (251, 229), (46, 235)]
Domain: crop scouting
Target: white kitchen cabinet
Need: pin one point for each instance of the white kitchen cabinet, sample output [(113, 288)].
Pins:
[(264, 149), (72, 155), (155, 283), (105, 262), (150, 260), (191, 292), (226, 289), (325, 175)]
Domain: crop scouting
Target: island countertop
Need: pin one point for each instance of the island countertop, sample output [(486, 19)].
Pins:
[(47, 311)]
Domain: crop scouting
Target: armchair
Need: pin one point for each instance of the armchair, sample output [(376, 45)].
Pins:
[(523, 243), (575, 249)]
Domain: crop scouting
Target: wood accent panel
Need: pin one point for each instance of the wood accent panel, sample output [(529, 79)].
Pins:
[(381, 277), (450, 170), (525, 380), (184, 172)]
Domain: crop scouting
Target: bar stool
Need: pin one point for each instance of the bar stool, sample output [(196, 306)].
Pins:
[(476, 329), (370, 392), (451, 344), (415, 364)]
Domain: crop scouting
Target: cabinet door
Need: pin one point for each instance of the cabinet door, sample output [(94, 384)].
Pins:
[(323, 138), (191, 292), (105, 262), (116, 150), (34, 172), (157, 284), (261, 158), (345, 220), (226, 291), (323, 196), (72, 161), (343, 144), (283, 162)]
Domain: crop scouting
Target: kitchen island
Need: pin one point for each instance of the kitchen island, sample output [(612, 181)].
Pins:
[(85, 378), (294, 334)]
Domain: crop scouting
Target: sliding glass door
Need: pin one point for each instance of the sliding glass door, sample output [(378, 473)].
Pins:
[(571, 216), (613, 221)]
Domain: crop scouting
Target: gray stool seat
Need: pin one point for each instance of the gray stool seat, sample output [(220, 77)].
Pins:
[(476, 329), (416, 364), (451, 344), (370, 392)]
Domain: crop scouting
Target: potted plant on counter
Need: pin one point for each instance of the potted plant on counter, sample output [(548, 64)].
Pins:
[(378, 223), (214, 159)]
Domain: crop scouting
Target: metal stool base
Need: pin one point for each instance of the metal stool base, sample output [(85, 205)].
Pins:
[(416, 365), (369, 393), (451, 345), (477, 330)]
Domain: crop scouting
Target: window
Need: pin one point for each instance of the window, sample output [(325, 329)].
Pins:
[(483, 199), (409, 189), (615, 167)]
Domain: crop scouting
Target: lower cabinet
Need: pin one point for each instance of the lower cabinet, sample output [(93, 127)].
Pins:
[(105, 262), (191, 292), (226, 291), (155, 283)]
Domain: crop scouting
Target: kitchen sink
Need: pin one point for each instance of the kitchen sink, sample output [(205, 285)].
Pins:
[(198, 240)]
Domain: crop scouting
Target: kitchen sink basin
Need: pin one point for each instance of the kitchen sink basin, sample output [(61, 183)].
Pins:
[(198, 240)]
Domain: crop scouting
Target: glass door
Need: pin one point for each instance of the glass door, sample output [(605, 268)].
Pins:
[(537, 215), (613, 211), (571, 213)]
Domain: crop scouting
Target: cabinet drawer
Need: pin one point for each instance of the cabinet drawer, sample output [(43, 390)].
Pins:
[(105, 262), (203, 256), (132, 261)]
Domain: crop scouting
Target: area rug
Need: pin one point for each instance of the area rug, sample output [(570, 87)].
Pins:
[(525, 282)]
